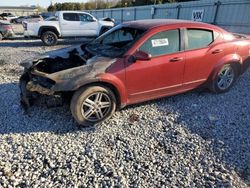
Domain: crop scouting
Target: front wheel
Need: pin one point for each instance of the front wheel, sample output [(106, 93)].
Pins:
[(92, 105), (225, 79), (49, 38)]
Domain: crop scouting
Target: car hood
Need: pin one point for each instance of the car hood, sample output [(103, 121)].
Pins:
[(67, 67), (63, 53)]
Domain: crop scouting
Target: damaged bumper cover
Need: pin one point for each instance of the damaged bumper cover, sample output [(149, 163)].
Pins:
[(34, 87)]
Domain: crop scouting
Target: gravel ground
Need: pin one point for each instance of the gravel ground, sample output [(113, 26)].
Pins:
[(197, 139)]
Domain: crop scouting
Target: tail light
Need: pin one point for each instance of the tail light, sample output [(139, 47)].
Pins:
[(7, 27)]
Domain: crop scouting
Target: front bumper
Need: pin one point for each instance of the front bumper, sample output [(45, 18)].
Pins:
[(30, 91)]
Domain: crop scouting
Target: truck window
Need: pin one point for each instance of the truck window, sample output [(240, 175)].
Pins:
[(85, 18), (71, 16)]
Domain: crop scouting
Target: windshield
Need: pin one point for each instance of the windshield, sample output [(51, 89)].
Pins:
[(115, 42)]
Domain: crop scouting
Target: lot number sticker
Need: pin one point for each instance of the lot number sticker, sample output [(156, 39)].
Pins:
[(197, 15), (159, 42)]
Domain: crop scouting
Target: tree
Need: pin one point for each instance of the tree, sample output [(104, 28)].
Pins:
[(51, 8)]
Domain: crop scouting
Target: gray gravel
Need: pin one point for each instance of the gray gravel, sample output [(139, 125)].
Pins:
[(197, 139)]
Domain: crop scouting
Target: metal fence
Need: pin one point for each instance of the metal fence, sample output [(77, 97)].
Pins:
[(232, 15)]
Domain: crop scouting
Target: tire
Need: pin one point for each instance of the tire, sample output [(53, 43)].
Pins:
[(224, 79), (86, 105), (1, 36), (49, 38)]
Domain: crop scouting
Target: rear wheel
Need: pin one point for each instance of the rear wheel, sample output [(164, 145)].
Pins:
[(225, 79), (49, 38), (92, 105)]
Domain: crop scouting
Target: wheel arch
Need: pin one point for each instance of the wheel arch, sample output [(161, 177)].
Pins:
[(48, 28), (113, 87), (233, 59)]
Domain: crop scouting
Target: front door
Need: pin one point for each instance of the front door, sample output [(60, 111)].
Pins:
[(160, 76), (88, 25)]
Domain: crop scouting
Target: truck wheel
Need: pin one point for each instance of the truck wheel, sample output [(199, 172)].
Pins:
[(49, 38), (92, 105), (225, 79)]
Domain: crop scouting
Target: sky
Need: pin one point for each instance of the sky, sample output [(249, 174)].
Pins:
[(43, 3)]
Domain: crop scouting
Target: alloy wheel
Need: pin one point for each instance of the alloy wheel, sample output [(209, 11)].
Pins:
[(96, 106), (225, 78)]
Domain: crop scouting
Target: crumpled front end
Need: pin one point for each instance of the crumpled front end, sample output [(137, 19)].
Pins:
[(59, 72)]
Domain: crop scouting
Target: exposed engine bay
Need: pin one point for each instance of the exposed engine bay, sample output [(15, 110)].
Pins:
[(60, 71), (60, 61)]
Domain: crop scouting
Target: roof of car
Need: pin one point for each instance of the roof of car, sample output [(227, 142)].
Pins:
[(151, 23)]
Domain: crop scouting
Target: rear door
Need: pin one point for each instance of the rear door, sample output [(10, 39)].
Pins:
[(201, 55), (70, 24)]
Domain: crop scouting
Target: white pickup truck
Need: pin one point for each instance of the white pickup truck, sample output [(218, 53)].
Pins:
[(67, 24)]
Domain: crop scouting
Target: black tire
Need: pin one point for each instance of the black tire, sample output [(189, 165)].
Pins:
[(221, 83), (49, 38), (1, 36), (87, 105)]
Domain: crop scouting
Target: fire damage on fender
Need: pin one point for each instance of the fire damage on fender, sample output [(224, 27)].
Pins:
[(59, 72)]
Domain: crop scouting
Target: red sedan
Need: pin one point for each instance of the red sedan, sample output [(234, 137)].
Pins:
[(137, 61)]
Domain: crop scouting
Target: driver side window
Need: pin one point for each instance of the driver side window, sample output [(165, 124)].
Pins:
[(118, 36), (162, 43)]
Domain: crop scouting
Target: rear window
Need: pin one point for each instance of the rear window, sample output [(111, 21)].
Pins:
[(71, 17), (199, 38)]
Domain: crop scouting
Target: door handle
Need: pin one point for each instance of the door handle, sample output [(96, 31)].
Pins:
[(217, 51), (175, 59)]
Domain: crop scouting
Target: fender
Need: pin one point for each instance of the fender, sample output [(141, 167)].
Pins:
[(230, 58), (50, 28), (116, 83)]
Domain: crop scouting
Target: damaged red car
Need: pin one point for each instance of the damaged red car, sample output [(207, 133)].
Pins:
[(136, 61)]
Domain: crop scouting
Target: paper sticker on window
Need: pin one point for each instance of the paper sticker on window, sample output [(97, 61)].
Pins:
[(159, 42)]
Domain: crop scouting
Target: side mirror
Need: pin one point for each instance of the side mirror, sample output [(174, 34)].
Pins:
[(139, 55)]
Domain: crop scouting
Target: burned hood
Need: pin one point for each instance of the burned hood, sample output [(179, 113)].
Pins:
[(94, 66), (68, 68), (63, 53), (72, 79)]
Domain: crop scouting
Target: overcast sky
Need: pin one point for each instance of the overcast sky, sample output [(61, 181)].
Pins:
[(43, 3)]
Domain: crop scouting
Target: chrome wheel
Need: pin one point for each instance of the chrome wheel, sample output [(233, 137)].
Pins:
[(96, 106), (225, 78)]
